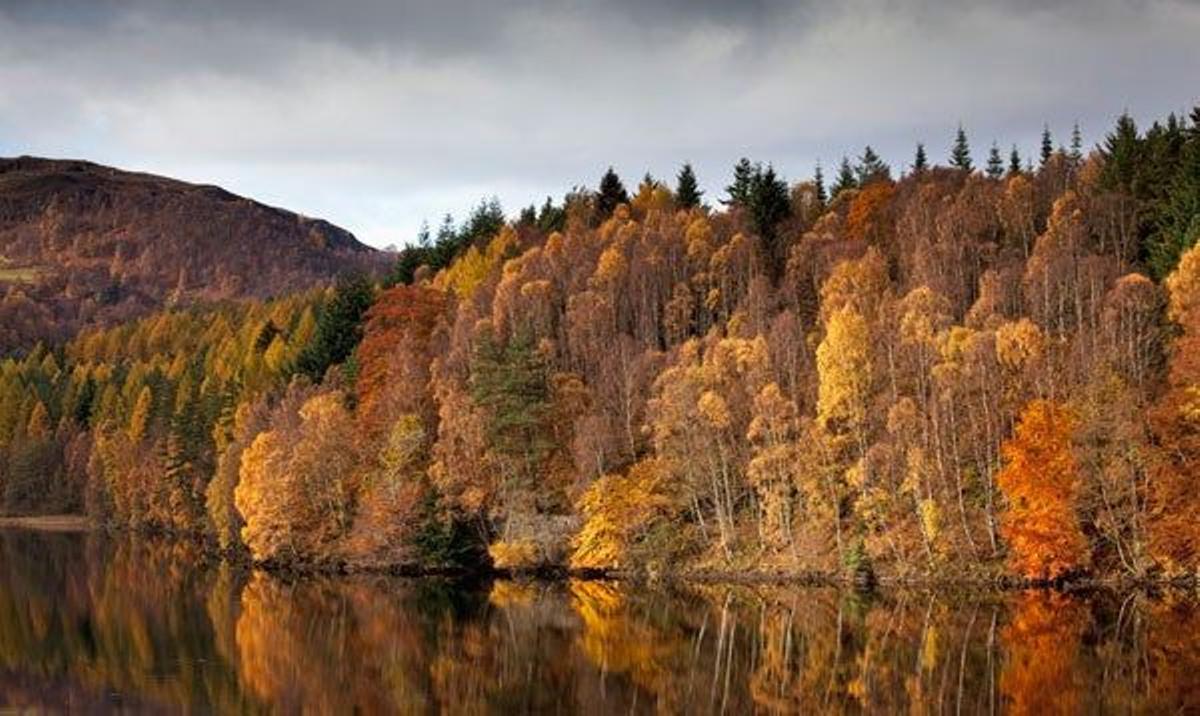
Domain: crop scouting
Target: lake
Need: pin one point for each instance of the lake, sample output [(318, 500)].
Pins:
[(89, 623)]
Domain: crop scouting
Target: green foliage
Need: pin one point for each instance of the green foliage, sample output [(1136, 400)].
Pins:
[(920, 161), (1160, 172), (960, 153), (339, 328), (846, 179), (687, 191), (508, 381), (871, 168), (612, 193), (995, 165)]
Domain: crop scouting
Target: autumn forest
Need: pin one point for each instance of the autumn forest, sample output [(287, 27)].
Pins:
[(980, 366)]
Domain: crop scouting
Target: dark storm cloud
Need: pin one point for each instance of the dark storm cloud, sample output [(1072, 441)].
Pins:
[(376, 113)]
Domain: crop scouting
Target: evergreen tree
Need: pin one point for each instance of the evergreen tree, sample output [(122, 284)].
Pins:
[(960, 153), (509, 383), (1014, 161), (1122, 151), (1076, 153), (995, 165), (339, 328), (769, 204), (819, 186), (743, 178), (85, 402), (1047, 144), (687, 191), (551, 218), (920, 162), (845, 179), (485, 222), (871, 168), (612, 193)]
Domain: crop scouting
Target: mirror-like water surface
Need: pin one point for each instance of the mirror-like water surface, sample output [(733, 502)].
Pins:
[(92, 624)]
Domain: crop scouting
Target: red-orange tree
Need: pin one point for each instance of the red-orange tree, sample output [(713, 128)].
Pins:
[(393, 357), (1041, 481)]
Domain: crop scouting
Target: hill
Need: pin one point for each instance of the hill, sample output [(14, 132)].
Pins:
[(83, 244)]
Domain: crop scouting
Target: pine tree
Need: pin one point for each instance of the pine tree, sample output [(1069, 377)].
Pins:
[(871, 168), (1076, 153), (960, 153), (1014, 162), (1122, 152), (995, 165), (819, 185), (551, 218), (845, 179), (687, 191), (743, 177), (769, 202), (1047, 144), (509, 383), (612, 193), (920, 162), (339, 328)]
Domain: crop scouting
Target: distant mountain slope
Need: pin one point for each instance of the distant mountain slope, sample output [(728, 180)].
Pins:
[(84, 244)]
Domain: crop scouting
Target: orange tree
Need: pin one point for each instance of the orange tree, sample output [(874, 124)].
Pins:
[(1041, 481)]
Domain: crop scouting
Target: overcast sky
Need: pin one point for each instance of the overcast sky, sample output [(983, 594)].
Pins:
[(377, 114)]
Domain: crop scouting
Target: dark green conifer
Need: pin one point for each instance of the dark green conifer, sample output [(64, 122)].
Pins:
[(995, 165), (1014, 161), (871, 168), (920, 161), (687, 190), (845, 179), (1047, 144), (612, 193), (960, 153)]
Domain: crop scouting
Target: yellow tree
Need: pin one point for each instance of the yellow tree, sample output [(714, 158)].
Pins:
[(1041, 481), (845, 373)]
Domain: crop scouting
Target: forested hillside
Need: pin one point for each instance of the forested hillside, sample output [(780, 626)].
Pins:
[(948, 370), (85, 245)]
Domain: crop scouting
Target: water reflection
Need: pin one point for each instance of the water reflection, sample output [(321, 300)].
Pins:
[(87, 623)]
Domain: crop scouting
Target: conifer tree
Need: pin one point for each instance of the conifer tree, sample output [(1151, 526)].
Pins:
[(612, 193), (1076, 153), (687, 191), (920, 162), (995, 165), (845, 179), (1122, 155), (1014, 161), (960, 153), (743, 178), (819, 186), (1047, 144), (339, 328), (871, 168)]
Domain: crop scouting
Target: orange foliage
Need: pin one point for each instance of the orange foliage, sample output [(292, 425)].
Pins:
[(867, 219), (1041, 481), (393, 357), (1175, 420), (1041, 675)]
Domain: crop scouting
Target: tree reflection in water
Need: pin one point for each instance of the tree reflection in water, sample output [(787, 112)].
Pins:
[(89, 623)]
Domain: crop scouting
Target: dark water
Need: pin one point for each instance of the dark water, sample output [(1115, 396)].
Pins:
[(91, 625)]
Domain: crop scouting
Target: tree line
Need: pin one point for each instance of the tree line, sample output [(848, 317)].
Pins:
[(949, 371)]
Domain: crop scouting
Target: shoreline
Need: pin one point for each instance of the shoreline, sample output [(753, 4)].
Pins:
[(998, 582)]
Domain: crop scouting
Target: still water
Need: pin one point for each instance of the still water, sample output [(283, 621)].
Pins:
[(90, 624)]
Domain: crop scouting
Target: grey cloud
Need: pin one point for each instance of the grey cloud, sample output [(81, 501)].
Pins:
[(375, 114)]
